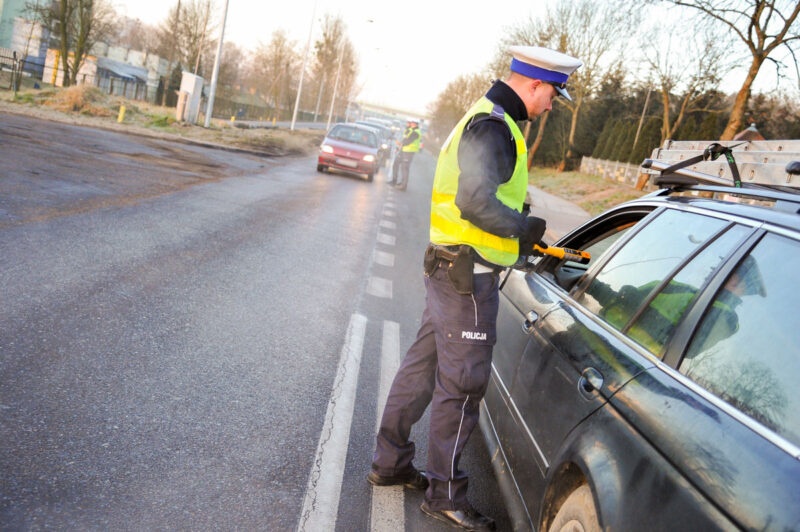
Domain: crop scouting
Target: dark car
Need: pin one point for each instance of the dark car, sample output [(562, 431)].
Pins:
[(654, 387), (350, 148)]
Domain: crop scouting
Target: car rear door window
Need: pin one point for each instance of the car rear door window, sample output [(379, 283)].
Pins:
[(745, 350), (638, 285)]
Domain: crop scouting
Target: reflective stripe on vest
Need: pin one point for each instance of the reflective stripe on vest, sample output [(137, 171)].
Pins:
[(447, 226), (415, 144)]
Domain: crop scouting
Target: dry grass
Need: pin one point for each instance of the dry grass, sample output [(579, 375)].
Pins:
[(88, 106), (593, 194)]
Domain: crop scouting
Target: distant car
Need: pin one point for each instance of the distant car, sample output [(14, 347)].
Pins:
[(654, 388), (350, 148), (386, 139)]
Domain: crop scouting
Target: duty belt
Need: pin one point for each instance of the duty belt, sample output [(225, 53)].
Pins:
[(449, 254)]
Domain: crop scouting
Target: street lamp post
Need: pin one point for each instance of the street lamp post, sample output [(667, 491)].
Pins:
[(215, 75), (336, 84), (303, 71)]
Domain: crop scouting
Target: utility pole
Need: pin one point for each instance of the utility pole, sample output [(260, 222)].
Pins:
[(215, 75), (336, 83), (303, 71)]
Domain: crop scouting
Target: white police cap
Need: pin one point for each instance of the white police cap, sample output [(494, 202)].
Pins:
[(545, 64)]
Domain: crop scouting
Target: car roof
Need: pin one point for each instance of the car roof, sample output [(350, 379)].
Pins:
[(760, 204), (372, 125)]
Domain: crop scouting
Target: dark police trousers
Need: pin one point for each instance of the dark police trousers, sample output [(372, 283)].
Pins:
[(401, 171), (448, 366)]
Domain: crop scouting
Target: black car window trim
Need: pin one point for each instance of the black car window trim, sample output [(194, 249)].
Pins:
[(595, 267), (686, 330), (601, 228), (708, 296), (724, 406), (671, 275), (678, 347), (689, 316)]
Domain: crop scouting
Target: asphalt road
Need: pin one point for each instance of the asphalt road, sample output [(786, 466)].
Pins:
[(192, 338)]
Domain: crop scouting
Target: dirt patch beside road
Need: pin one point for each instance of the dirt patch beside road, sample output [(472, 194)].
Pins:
[(87, 106)]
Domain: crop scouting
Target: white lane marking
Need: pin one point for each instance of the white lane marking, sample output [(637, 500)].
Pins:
[(383, 238), (388, 504), (389, 213), (387, 224), (321, 502), (383, 258), (379, 287)]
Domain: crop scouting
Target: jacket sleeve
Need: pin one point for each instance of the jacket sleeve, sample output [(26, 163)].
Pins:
[(487, 156)]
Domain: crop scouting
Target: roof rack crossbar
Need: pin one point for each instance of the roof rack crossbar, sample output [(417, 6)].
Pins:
[(755, 193)]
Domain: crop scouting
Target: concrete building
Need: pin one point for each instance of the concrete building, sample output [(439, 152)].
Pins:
[(9, 10)]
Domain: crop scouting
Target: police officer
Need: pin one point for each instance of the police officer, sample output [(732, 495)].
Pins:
[(409, 145), (479, 225)]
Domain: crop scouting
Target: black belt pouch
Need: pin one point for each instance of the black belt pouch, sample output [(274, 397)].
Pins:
[(461, 270), (430, 262)]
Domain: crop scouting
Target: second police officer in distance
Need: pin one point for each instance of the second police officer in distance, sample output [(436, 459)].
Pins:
[(410, 144)]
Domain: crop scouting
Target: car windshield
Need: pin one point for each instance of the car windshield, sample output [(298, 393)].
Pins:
[(354, 135)]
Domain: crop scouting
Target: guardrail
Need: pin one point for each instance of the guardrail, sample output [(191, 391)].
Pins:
[(625, 173)]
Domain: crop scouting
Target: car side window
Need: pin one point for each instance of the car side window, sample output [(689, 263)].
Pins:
[(745, 349), (635, 292), (657, 321)]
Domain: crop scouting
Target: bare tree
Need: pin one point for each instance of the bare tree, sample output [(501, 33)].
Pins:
[(594, 34), (77, 25), (196, 30), (271, 72), (763, 26), (186, 35), (452, 103), (136, 35), (334, 53), (684, 76)]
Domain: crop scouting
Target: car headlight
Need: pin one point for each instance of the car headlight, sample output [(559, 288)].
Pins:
[(325, 148), (369, 158)]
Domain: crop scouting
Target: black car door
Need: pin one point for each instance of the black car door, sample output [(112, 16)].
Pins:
[(550, 359)]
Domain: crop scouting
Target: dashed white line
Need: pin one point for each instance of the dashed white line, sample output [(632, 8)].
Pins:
[(379, 287), (383, 258), (383, 238)]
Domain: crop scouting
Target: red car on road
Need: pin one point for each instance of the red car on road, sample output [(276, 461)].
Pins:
[(350, 148)]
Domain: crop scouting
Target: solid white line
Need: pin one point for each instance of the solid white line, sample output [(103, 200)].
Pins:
[(388, 504), (321, 503)]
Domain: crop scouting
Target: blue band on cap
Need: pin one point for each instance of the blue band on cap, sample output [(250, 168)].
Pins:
[(534, 72)]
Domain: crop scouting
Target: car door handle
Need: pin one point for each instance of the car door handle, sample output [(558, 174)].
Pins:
[(591, 380), (530, 321)]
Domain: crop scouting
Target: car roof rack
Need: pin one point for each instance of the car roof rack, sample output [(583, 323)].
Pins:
[(773, 164)]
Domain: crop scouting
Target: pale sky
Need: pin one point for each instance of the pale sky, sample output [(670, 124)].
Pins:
[(409, 51)]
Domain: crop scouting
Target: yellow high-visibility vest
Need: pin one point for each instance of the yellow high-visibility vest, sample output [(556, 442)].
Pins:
[(415, 144), (447, 226)]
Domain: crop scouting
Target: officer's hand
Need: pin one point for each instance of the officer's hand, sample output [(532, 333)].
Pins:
[(534, 231)]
